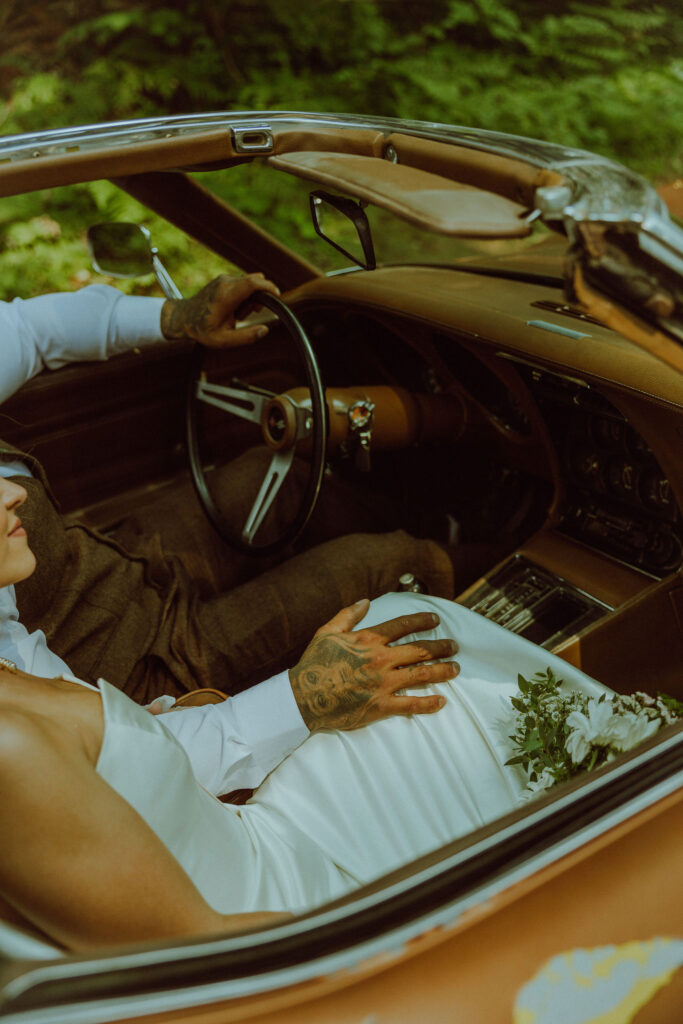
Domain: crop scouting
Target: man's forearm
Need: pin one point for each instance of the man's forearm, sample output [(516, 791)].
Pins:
[(53, 330)]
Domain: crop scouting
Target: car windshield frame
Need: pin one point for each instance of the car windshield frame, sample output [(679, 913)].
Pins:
[(616, 223)]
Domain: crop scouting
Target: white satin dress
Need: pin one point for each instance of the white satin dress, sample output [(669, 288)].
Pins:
[(345, 807)]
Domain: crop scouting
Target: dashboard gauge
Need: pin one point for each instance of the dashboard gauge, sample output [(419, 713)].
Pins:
[(655, 491), (623, 477), (490, 392), (618, 499), (609, 431), (590, 467)]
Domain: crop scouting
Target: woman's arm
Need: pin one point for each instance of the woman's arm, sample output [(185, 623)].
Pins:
[(76, 860)]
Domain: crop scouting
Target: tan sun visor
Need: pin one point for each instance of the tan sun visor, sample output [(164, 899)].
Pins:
[(426, 200)]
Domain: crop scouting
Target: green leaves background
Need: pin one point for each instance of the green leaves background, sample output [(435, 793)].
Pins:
[(604, 75)]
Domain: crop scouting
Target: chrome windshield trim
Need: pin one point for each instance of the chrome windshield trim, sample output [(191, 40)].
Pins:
[(30, 144)]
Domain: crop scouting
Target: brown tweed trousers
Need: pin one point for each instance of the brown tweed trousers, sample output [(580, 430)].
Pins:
[(165, 611)]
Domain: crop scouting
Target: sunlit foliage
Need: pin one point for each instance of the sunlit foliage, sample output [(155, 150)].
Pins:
[(606, 76)]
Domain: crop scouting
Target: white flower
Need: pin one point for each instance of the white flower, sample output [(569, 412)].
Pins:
[(604, 726), (601, 715), (587, 729), (590, 729), (628, 730), (578, 740), (544, 781), (645, 698), (666, 714)]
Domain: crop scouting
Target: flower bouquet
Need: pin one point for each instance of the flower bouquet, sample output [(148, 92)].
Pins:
[(558, 735)]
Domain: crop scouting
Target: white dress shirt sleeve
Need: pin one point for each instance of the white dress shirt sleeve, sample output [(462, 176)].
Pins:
[(52, 330), (29, 651), (234, 745)]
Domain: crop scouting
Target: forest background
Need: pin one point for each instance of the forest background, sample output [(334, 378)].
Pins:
[(604, 75)]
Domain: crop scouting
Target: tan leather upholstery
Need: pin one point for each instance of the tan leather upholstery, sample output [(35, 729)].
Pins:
[(627, 323), (424, 199)]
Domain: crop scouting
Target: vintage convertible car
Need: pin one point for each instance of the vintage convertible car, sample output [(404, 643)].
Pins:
[(507, 325)]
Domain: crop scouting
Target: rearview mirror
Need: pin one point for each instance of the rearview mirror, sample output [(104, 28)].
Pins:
[(344, 224)]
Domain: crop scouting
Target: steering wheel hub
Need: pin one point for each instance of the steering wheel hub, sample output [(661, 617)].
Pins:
[(279, 424), (283, 422)]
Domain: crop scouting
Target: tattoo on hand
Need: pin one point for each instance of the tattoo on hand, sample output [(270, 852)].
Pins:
[(335, 685), (348, 679), (189, 318)]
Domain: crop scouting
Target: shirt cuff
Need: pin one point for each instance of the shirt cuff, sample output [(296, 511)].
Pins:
[(235, 744), (269, 720), (138, 317)]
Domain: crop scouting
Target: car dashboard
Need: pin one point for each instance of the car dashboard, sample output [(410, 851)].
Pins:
[(547, 427), (561, 413)]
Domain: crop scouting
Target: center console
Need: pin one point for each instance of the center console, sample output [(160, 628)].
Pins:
[(618, 532), (534, 602)]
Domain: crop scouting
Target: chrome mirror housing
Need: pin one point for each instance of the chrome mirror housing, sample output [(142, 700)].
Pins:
[(122, 249)]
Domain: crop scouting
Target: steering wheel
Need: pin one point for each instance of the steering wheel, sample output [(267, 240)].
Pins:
[(283, 423)]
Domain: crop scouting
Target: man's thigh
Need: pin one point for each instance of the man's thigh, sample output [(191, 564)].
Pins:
[(261, 627), (175, 520)]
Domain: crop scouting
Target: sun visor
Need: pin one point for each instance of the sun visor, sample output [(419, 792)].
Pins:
[(426, 200)]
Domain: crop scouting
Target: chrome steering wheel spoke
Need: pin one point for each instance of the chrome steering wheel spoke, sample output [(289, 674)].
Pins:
[(277, 471), (246, 404)]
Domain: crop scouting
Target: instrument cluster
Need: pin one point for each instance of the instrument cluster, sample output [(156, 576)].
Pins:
[(482, 384), (618, 499)]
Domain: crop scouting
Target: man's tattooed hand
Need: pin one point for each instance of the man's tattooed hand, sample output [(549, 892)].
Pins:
[(347, 679), (210, 316)]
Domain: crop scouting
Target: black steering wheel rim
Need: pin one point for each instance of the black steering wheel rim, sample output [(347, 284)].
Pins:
[(318, 440)]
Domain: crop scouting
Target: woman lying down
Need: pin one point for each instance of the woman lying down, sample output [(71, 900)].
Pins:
[(112, 830)]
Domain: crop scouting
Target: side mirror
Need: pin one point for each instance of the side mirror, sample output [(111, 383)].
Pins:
[(120, 250), (343, 223), (126, 250)]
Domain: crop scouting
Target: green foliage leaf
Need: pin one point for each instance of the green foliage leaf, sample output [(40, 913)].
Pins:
[(518, 759), (604, 75), (533, 741), (542, 730), (675, 706)]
